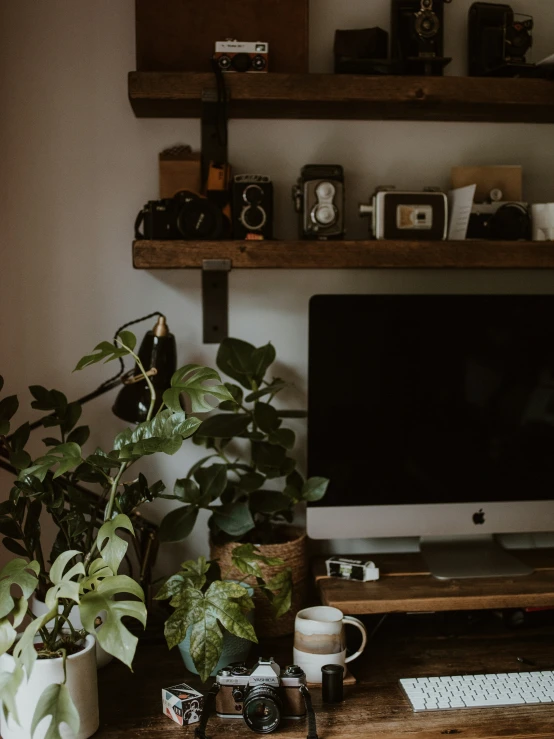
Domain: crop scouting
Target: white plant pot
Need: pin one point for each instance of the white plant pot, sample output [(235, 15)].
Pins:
[(82, 685), (38, 607)]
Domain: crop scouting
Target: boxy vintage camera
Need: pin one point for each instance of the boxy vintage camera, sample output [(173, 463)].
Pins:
[(407, 216), (498, 41), (262, 695), (242, 56), (319, 199), (187, 216), (252, 205), (417, 36)]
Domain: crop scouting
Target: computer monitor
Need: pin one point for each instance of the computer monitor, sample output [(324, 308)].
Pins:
[(433, 416)]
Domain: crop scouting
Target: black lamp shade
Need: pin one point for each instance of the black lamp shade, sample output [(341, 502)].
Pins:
[(133, 400)]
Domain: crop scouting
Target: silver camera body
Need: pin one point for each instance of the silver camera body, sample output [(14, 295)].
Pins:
[(403, 215), (242, 56), (319, 200)]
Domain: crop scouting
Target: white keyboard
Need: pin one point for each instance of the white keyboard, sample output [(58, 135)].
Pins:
[(479, 691)]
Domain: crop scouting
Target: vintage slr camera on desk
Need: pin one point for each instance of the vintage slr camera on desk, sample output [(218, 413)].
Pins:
[(409, 216), (319, 200)]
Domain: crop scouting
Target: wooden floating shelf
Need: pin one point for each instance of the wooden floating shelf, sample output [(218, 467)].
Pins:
[(346, 254), (329, 96)]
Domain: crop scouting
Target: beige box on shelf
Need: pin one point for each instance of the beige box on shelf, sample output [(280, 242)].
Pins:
[(508, 179), (180, 169)]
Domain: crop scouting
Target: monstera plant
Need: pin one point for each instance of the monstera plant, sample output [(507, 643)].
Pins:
[(82, 591)]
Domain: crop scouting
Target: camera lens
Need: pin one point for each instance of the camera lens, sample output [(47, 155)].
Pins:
[(241, 62), (253, 194), (259, 62), (427, 24), (198, 218), (253, 217), (262, 709), (325, 215)]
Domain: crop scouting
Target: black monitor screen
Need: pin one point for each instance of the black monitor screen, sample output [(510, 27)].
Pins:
[(431, 398)]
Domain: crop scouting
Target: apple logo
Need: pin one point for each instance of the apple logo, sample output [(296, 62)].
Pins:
[(479, 517)]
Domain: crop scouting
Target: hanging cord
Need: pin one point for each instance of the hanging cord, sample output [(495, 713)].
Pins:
[(222, 134)]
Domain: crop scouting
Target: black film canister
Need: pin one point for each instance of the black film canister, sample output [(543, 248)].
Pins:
[(331, 683)]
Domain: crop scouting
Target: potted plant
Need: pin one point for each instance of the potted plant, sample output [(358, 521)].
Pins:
[(206, 600), (82, 579), (231, 481)]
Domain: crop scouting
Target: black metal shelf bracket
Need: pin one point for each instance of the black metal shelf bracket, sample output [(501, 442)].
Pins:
[(215, 299)]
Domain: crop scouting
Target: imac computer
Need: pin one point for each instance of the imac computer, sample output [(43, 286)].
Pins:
[(433, 416)]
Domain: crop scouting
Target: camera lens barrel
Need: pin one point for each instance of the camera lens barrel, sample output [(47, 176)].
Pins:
[(262, 709)]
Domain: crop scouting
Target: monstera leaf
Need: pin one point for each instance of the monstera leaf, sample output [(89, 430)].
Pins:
[(55, 701), (113, 635), (21, 573), (164, 433), (192, 380), (111, 546), (222, 604), (63, 584), (107, 352)]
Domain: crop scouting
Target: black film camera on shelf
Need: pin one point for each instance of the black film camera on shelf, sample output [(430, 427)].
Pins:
[(499, 220), (417, 36), (498, 41), (252, 206), (319, 200), (187, 216)]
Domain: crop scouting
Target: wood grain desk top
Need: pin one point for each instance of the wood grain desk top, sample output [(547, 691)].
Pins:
[(406, 585), (406, 646)]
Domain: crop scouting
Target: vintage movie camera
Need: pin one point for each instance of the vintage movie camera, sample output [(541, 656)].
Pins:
[(498, 41), (187, 216), (252, 206), (263, 695), (319, 200), (417, 36), (241, 56), (408, 216), (499, 220)]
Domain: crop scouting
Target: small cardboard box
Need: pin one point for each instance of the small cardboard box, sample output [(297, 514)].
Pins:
[(182, 703), (180, 169), (508, 179)]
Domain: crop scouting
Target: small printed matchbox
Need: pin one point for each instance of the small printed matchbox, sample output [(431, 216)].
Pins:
[(182, 703), (352, 569)]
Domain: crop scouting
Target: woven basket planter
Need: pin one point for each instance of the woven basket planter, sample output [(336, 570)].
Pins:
[(294, 554)]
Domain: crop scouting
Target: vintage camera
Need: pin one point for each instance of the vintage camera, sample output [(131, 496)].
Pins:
[(417, 36), (252, 204), (242, 56), (498, 41), (498, 220), (187, 215), (319, 199), (408, 216), (262, 695)]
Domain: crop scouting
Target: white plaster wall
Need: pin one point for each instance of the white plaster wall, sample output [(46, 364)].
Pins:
[(77, 165)]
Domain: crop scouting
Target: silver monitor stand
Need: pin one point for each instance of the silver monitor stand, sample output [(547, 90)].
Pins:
[(456, 557)]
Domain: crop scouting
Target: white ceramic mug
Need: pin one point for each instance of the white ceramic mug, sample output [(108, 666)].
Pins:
[(319, 640)]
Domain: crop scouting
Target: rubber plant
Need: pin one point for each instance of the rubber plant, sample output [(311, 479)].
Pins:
[(204, 601), (233, 486), (86, 577)]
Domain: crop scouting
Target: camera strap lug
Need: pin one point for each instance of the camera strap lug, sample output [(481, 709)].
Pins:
[(215, 299)]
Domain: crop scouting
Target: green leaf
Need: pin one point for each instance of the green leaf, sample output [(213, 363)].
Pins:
[(9, 685), (56, 701), (236, 392), (177, 625), (20, 573), (104, 351), (111, 546), (43, 398), (269, 501), (20, 459), (234, 519), (234, 358), (283, 437), (262, 359), (246, 559), (9, 527), (178, 524), (187, 490), (164, 433), (314, 489), (268, 458), (79, 435), (14, 547), (194, 571), (65, 456), (8, 408), (266, 417), (113, 635), (127, 338), (192, 380), (251, 482), (20, 437), (212, 481), (272, 389), (281, 588), (224, 425)]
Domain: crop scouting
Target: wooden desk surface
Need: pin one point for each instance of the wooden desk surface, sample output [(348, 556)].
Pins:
[(130, 703)]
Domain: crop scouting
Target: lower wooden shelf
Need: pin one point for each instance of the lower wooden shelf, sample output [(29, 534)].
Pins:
[(346, 254), (407, 586)]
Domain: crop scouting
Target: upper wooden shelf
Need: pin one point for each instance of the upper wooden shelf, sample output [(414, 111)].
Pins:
[(178, 95), (345, 254)]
